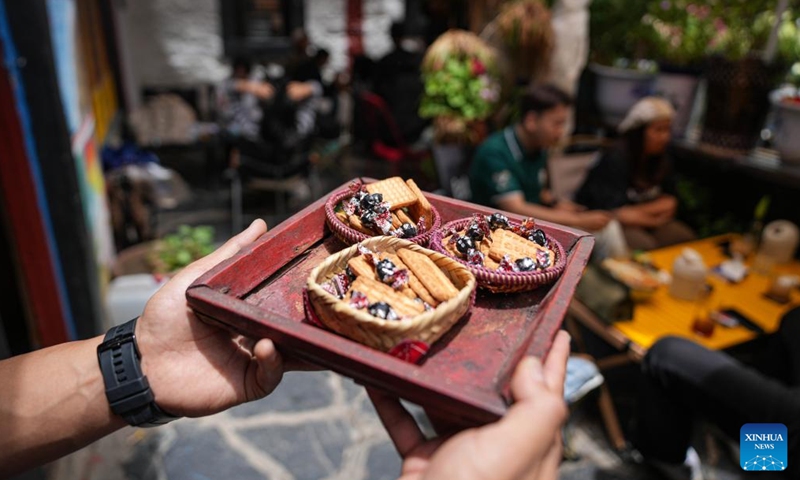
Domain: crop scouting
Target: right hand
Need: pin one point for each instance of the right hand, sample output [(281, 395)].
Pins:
[(525, 444), (592, 220)]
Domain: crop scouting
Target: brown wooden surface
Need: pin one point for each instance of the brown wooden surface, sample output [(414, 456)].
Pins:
[(259, 293)]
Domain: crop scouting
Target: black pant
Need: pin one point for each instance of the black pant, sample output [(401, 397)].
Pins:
[(683, 380)]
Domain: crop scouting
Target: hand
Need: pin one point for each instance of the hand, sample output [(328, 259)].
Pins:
[(525, 444), (196, 369), (299, 91), (592, 220)]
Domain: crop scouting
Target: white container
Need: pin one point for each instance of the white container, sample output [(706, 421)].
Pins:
[(680, 89), (787, 131), (688, 276), (618, 89), (779, 240), (128, 294)]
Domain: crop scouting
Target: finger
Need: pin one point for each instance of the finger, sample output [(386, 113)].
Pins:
[(269, 371), (229, 249), (403, 430), (528, 379), (555, 367)]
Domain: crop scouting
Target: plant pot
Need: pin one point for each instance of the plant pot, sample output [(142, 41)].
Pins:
[(680, 89), (736, 102), (618, 89), (787, 131)]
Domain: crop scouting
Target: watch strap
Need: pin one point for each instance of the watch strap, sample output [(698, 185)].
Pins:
[(127, 389)]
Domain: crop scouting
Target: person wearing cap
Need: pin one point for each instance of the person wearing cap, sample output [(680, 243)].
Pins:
[(634, 179), (509, 169)]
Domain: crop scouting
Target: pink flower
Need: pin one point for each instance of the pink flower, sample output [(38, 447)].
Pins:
[(478, 68)]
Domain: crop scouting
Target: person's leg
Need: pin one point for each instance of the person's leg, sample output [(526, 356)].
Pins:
[(789, 336), (639, 239), (683, 379), (672, 233)]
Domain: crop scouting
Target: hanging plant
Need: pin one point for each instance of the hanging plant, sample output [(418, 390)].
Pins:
[(462, 86), (527, 33)]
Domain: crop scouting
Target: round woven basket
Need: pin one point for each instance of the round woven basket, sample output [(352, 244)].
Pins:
[(503, 282), (382, 334), (352, 236)]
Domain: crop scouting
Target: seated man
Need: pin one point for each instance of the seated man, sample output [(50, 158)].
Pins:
[(683, 380), (508, 171)]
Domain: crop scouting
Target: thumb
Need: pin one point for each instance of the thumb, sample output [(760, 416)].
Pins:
[(268, 371)]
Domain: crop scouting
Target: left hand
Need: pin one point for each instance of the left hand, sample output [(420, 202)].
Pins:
[(525, 444), (196, 369)]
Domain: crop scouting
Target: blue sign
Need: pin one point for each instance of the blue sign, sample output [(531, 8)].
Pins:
[(763, 447)]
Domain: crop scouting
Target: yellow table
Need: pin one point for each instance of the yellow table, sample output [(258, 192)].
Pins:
[(664, 315)]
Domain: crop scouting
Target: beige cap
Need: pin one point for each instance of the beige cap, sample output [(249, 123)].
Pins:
[(646, 110)]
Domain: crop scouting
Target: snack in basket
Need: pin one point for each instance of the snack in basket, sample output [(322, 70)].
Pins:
[(388, 207), (387, 290), (490, 241)]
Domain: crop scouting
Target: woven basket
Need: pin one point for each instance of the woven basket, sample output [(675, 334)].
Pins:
[(503, 282), (385, 334), (351, 236)]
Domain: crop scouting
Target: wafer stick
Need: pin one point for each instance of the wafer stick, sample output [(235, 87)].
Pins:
[(361, 268), (396, 222), (423, 206), (395, 191), (509, 243), (378, 292), (404, 218), (355, 222), (413, 282), (434, 280)]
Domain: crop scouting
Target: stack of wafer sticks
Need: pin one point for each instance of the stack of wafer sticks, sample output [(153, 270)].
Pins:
[(502, 242), (427, 284), (406, 202)]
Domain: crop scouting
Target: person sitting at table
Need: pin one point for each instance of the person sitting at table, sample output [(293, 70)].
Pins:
[(683, 380), (633, 180), (508, 169)]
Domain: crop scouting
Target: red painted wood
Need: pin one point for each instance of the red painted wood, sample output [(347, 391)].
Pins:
[(465, 375), (27, 229)]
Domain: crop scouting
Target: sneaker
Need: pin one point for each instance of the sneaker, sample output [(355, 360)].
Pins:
[(691, 469), (583, 376)]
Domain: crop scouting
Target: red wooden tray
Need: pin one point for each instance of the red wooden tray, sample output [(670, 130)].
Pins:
[(464, 377)]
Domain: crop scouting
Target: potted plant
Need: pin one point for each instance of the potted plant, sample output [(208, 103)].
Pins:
[(682, 31), (786, 105), (177, 250), (463, 88), (620, 45), (740, 75)]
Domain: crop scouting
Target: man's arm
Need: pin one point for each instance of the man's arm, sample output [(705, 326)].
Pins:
[(589, 220), (53, 403)]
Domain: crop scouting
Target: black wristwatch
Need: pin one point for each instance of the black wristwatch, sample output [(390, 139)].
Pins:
[(127, 389)]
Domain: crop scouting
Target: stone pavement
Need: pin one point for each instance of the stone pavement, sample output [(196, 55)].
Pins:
[(316, 425)]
